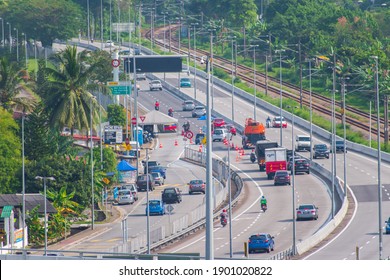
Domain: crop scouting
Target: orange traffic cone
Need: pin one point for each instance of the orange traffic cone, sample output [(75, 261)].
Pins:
[(176, 144), (232, 145), (200, 148), (242, 152), (160, 146), (191, 142)]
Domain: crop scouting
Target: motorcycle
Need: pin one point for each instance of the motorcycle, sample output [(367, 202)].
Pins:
[(253, 157), (170, 113), (264, 207), (223, 222)]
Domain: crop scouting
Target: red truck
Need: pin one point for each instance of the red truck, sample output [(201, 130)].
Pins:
[(275, 159)]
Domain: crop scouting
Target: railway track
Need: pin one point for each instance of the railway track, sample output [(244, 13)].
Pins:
[(320, 103)]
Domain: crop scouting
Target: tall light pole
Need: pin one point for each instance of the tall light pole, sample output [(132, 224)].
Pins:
[(45, 205), (23, 184), (2, 32), (233, 77), (88, 32), (194, 25), (17, 44), (345, 135), (229, 181), (101, 25), (111, 20), (10, 37), (209, 249), (281, 95), (147, 201), (379, 158), (92, 165), (333, 135), (254, 83), (294, 231), (25, 49)]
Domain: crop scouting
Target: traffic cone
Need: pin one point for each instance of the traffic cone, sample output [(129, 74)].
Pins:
[(232, 145), (176, 144), (200, 148), (160, 146), (242, 152), (191, 142)]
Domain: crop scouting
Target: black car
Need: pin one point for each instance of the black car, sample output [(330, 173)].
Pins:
[(289, 161), (320, 151), (171, 195), (145, 180), (198, 138), (339, 145), (301, 165)]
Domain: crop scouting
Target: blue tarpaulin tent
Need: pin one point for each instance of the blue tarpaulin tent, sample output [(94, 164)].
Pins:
[(125, 166)]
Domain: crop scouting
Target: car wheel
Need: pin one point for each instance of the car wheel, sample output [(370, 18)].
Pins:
[(273, 248), (315, 157), (308, 172), (268, 250), (190, 193), (275, 184)]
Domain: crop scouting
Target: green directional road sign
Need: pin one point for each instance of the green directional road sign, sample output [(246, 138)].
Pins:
[(120, 90)]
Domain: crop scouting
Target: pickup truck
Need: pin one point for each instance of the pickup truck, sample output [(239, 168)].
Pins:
[(155, 85)]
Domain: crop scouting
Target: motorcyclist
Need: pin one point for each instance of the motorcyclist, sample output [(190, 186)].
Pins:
[(157, 105), (223, 215), (186, 126), (170, 112), (253, 156), (263, 201), (268, 121)]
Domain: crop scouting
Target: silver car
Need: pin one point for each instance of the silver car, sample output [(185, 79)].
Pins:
[(158, 179), (307, 211), (125, 197), (198, 111), (188, 105), (132, 188), (220, 134)]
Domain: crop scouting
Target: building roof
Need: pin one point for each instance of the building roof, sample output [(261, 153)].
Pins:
[(32, 200)]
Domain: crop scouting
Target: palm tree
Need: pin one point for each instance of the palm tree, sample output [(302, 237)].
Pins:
[(67, 93), (13, 82)]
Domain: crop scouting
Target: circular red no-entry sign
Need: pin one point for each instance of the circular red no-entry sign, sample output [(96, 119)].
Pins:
[(115, 62), (133, 121)]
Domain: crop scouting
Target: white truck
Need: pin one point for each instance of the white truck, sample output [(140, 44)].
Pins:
[(303, 143)]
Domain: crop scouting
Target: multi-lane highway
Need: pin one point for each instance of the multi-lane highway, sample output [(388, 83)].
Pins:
[(362, 232)]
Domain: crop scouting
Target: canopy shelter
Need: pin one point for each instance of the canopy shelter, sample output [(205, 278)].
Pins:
[(124, 166), (156, 122)]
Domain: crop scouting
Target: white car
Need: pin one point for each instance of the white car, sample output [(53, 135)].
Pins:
[(141, 76), (109, 44), (220, 134), (125, 196), (155, 85)]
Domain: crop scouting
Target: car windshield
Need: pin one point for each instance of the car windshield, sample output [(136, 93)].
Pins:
[(218, 132), (189, 102), (193, 182), (300, 161), (154, 202), (169, 191), (218, 120), (142, 178), (340, 142), (281, 173), (124, 192), (156, 174), (307, 139), (320, 147), (155, 82), (199, 108), (185, 80), (261, 237), (306, 207), (278, 119)]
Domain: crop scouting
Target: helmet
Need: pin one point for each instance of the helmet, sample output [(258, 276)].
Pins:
[(224, 210), (263, 197)]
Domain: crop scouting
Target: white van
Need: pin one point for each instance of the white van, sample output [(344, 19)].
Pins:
[(303, 142)]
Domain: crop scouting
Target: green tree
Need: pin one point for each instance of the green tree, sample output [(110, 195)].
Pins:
[(63, 202), (12, 83), (66, 92), (10, 153), (36, 230), (45, 20), (116, 115)]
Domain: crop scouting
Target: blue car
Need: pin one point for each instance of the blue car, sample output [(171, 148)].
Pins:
[(185, 82), (388, 226), (159, 169), (261, 242), (156, 207)]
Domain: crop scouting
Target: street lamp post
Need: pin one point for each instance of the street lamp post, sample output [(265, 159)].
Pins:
[(10, 37), (333, 135), (17, 44), (345, 135), (379, 159), (25, 49), (194, 25), (281, 95), (233, 77), (101, 24), (88, 32), (2, 32), (92, 171), (45, 206), (147, 201)]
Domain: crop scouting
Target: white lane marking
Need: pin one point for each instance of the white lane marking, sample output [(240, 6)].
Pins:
[(341, 232)]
